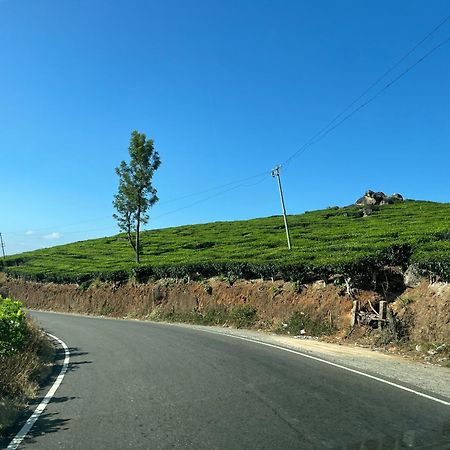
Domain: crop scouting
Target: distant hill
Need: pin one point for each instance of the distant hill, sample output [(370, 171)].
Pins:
[(325, 241)]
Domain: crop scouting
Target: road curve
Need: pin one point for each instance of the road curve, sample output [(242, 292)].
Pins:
[(143, 385)]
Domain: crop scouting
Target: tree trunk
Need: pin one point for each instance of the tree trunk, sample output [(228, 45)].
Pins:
[(138, 225), (130, 238)]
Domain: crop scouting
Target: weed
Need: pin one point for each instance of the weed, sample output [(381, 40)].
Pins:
[(84, 286), (404, 301), (106, 310), (276, 290), (297, 287), (230, 278), (243, 316), (207, 287), (303, 323)]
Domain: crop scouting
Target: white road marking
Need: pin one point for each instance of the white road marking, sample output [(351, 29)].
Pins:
[(315, 358), (20, 436)]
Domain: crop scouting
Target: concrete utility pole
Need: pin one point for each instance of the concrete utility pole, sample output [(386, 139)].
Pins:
[(3, 245), (276, 173)]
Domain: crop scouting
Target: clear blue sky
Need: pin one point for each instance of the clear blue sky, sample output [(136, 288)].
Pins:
[(227, 89)]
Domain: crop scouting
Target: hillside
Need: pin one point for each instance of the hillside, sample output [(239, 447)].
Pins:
[(325, 241)]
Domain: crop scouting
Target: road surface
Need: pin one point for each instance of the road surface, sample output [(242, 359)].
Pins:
[(144, 385)]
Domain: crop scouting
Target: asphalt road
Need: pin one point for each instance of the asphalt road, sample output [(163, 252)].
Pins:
[(154, 386)]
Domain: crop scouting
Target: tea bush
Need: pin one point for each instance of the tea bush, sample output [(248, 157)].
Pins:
[(324, 243)]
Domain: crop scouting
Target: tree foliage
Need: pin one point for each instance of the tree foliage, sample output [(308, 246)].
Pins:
[(136, 194)]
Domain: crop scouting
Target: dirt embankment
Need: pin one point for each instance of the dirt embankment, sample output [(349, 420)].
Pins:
[(422, 314)]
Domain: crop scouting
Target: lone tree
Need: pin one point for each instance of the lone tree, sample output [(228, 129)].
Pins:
[(136, 194)]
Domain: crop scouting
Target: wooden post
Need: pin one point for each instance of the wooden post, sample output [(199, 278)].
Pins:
[(354, 313), (382, 313)]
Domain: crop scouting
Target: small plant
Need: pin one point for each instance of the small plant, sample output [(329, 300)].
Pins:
[(214, 317), (297, 287), (243, 316), (302, 323), (84, 286), (207, 287), (106, 310), (229, 278), (276, 290), (404, 301)]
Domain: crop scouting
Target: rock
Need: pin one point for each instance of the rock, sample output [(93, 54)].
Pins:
[(412, 277), (320, 284), (397, 197), (371, 198), (367, 211), (378, 196), (366, 201)]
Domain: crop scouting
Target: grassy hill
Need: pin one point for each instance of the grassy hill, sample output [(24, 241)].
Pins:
[(326, 241)]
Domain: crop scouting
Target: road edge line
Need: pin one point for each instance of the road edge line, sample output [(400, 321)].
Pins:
[(20, 436), (296, 352)]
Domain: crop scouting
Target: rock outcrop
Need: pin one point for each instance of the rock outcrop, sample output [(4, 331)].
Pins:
[(372, 198)]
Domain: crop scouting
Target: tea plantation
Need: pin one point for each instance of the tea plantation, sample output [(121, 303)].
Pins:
[(335, 240)]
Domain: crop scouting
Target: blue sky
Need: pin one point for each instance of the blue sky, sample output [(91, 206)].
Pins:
[(227, 89)]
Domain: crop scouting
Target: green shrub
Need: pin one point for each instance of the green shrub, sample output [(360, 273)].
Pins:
[(13, 327), (243, 316)]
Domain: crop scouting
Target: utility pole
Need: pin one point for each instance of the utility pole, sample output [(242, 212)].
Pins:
[(3, 245), (276, 173)]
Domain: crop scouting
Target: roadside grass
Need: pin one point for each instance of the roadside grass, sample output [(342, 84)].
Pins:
[(242, 316), (301, 322), (326, 238)]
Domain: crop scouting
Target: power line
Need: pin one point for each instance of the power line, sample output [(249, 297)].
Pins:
[(212, 196), (371, 99), (165, 202), (183, 207), (309, 142)]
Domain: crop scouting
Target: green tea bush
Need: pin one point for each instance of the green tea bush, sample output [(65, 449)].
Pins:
[(324, 243)]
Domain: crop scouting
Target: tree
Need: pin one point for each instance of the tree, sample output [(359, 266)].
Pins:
[(136, 194)]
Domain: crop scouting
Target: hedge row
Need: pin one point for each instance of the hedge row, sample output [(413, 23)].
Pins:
[(360, 270), (436, 268)]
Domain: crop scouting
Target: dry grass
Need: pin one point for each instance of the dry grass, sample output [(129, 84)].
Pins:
[(21, 373)]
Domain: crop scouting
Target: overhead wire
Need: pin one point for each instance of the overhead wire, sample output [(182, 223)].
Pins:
[(242, 184), (370, 100), (165, 202), (308, 143)]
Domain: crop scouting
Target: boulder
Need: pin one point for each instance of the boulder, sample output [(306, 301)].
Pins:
[(396, 197), (412, 277), (366, 201), (372, 198)]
